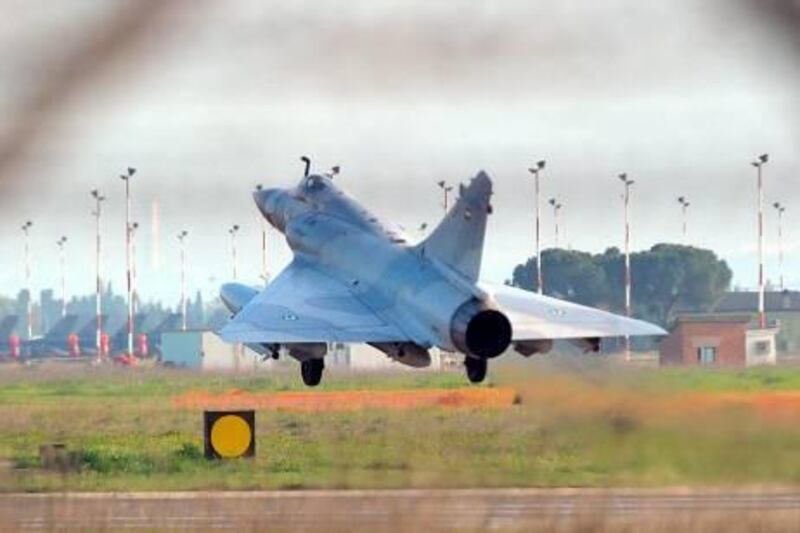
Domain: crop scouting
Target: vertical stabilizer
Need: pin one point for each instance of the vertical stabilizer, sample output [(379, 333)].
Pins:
[(458, 240)]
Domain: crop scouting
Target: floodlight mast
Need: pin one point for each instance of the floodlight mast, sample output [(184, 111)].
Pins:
[(62, 259), (98, 198), (626, 201), (445, 191), (182, 239), (129, 254), (26, 230), (780, 208), (556, 209), (535, 170), (685, 214), (758, 164), (234, 253)]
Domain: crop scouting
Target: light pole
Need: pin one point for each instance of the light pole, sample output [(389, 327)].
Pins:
[(556, 208), (626, 198), (780, 209), (182, 238), (445, 191), (535, 170), (264, 271), (685, 213), (762, 315), (233, 231), (129, 253), (26, 227), (62, 259), (98, 198)]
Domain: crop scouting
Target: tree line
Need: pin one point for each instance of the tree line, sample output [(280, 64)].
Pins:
[(666, 279)]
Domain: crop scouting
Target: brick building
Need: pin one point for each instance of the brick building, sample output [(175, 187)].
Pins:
[(717, 340)]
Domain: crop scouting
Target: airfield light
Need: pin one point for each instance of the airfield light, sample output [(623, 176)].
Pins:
[(626, 200), (234, 256), (780, 208), (535, 170), (26, 227), (759, 163), (182, 239), (264, 270), (307, 162), (445, 191), (685, 214), (62, 259), (129, 253), (556, 205), (98, 198)]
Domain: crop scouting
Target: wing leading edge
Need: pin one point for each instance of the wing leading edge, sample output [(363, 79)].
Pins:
[(303, 304), (534, 317)]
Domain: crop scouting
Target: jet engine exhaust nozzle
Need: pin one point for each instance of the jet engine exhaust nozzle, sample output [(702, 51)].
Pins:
[(480, 331)]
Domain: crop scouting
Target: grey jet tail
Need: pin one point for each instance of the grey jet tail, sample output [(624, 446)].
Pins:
[(458, 240)]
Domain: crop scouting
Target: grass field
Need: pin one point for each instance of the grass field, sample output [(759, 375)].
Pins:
[(576, 423)]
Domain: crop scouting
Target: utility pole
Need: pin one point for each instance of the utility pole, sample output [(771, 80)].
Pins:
[(556, 208), (445, 191), (762, 315), (535, 171), (26, 230), (626, 198), (685, 213), (98, 198), (62, 259), (182, 238), (233, 231), (128, 254), (780, 209)]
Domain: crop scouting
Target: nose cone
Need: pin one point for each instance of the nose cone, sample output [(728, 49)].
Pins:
[(270, 204)]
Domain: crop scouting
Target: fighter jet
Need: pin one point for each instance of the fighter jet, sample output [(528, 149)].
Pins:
[(353, 280)]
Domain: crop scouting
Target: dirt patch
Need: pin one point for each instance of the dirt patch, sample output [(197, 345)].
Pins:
[(348, 400)]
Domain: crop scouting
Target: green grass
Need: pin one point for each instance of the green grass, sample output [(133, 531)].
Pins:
[(128, 436)]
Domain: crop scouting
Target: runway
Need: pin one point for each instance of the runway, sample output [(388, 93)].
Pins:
[(405, 510)]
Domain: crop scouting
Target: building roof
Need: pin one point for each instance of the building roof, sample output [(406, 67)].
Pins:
[(712, 319), (747, 302)]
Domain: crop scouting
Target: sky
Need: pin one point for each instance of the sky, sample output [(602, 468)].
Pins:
[(207, 99)]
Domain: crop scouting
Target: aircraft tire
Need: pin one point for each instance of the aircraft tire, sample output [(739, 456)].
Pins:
[(476, 369), (311, 371)]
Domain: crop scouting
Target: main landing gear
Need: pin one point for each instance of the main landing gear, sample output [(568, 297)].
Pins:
[(476, 369), (311, 371)]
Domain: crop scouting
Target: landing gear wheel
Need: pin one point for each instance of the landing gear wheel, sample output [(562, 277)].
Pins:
[(476, 369), (311, 371)]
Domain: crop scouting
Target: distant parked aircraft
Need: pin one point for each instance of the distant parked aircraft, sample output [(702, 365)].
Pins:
[(353, 280)]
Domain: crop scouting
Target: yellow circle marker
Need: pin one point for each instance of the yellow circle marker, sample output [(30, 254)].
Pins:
[(230, 436)]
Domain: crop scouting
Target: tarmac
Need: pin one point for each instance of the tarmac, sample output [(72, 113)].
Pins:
[(406, 510)]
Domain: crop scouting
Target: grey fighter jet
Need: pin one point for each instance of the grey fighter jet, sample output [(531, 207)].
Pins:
[(354, 280)]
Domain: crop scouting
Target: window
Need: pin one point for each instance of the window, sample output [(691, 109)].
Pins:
[(762, 348), (707, 355)]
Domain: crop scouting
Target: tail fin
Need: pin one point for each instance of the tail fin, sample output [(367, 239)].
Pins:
[(458, 240)]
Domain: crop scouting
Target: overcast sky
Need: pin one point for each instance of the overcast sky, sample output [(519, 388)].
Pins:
[(206, 99)]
